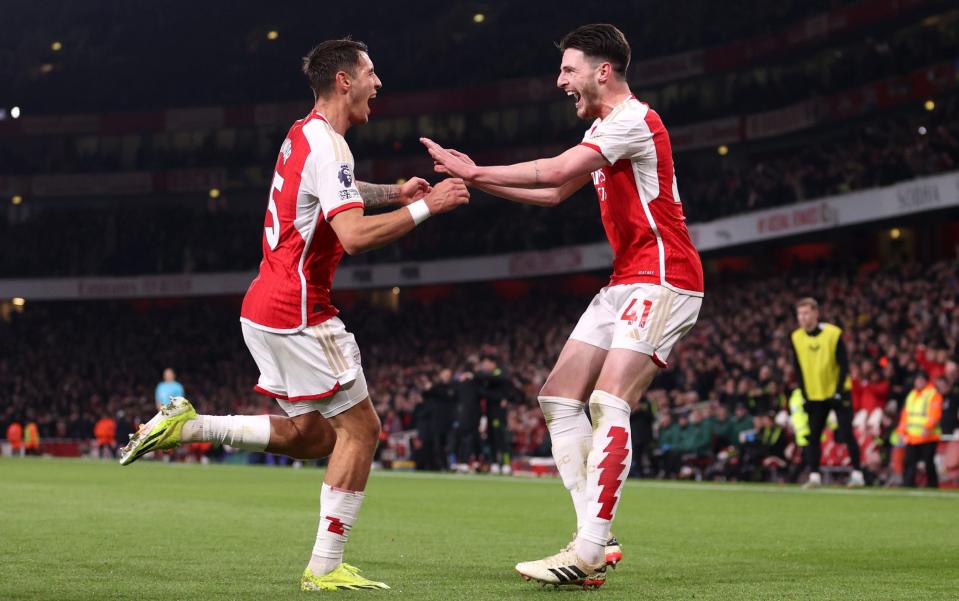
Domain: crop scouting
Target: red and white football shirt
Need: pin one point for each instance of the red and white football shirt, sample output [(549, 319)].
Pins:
[(639, 201), (313, 181)]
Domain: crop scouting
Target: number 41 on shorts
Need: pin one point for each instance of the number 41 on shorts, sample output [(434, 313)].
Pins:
[(630, 314)]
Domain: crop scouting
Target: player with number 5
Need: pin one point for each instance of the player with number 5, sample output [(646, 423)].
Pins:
[(653, 298), (307, 359)]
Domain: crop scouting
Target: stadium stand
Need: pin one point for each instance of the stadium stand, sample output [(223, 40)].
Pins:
[(138, 177), (68, 365), (799, 102), (218, 236), (488, 117), (239, 65)]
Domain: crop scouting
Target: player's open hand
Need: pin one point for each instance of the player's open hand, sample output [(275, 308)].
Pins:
[(450, 162), (447, 195), (412, 189), (460, 155)]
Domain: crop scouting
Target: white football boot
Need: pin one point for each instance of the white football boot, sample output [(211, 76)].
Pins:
[(564, 569)]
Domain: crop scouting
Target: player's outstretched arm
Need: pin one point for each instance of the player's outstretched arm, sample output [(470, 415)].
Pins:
[(360, 233), (553, 172), (382, 195), (542, 197)]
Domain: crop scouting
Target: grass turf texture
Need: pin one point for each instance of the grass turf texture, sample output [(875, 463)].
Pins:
[(76, 529)]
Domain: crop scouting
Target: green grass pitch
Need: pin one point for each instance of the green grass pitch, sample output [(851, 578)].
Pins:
[(76, 529)]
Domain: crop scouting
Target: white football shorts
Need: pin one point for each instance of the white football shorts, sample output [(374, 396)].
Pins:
[(646, 318), (315, 369)]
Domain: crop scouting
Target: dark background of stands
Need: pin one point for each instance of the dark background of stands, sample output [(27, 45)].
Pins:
[(67, 364), (116, 59)]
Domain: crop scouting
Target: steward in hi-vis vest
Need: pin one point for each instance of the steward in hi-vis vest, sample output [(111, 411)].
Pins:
[(919, 428)]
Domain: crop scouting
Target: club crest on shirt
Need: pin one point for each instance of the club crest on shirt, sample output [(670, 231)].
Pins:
[(286, 150), (346, 176)]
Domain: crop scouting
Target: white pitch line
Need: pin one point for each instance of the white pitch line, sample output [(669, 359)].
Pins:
[(671, 485)]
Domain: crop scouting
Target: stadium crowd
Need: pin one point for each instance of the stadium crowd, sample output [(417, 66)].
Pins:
[(219, 237), (828, 70), (748, 91), (879, 152), (137, 57), (463, 373)]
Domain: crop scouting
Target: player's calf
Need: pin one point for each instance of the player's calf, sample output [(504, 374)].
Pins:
[(357, 433), (606, 467)]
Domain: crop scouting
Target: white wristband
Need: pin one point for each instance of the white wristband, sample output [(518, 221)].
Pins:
[(419, 211)]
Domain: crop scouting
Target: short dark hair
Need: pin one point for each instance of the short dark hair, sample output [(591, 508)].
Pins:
[(600, 40), (323, 62)]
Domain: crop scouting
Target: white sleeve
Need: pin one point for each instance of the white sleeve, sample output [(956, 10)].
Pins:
[(333, 183), (626, 136)]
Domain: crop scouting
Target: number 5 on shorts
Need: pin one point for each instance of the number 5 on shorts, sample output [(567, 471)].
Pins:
[(630, 315)]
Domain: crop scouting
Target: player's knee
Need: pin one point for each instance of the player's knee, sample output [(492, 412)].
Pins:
[(545, 401), (365, 431), (551, 389), (610, 387), (565, 417), (602, 400), (373, 430)]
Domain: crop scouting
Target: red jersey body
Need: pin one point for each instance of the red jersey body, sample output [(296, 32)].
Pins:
[(312, 182), (639, 201)]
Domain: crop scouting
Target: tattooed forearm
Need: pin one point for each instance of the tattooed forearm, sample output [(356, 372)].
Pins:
[(378, 195)]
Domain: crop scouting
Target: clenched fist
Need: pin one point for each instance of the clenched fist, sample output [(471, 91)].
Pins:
[(413, 189), (447, 195)]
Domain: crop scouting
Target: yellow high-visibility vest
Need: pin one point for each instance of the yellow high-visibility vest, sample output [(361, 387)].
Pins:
[(31, 436), (817, 360), (917, 413)]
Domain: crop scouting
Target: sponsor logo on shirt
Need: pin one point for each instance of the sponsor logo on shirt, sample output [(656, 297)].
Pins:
[(599, 181), (286, 150)]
